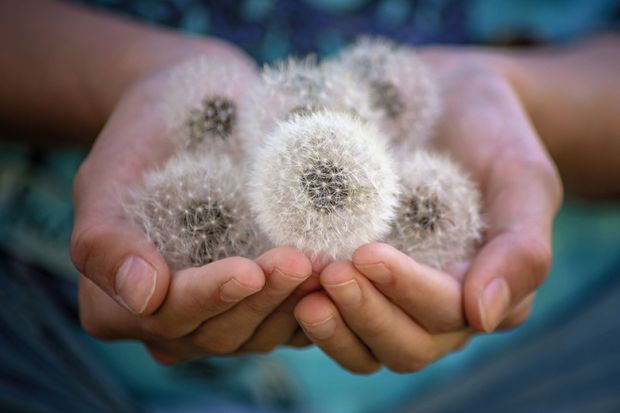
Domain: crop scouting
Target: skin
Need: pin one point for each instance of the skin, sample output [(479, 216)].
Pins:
[(495, 101), (503, 113), (383, 300), (231, 306)]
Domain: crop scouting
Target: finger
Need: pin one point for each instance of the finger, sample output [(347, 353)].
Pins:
[(104, 318), (447, 343), (322, 324), (199, 294), (277, 329), (195, 295), (517, 256), (285, 269), (120, 261), (393, 337), (280, 326), (431, 297)]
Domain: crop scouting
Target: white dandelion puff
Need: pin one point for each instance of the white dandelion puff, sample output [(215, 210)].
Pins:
[(402, 87), (301, 87), (324, 183), (203, 101), (438, 220), (193, 210)]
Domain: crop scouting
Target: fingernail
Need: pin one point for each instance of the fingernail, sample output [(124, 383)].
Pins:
[(232, 291), (321, 330), (135, 284), (347, 293), (493, 303), (378, 273)]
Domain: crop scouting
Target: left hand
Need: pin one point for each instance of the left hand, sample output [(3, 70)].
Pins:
[(383, 307)]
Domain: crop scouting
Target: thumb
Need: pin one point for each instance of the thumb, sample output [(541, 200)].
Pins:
[(120, 260), (510, 267)]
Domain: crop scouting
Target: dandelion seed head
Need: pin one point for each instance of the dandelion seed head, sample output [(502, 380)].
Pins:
[(303, 87), (194, 228), (203, 101), (438, 220), (402, 88), (323, 183)]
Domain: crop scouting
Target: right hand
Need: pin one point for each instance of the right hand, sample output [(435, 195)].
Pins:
[(126, 289)]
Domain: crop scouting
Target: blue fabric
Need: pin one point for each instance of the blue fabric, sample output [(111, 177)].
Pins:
[(48, 364), (44, 365), (273, 29), (569, 366), (540, 20), (35, 205)]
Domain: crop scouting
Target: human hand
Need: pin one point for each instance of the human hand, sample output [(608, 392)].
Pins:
[(230, 306), (377, 306), (127, 291)]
